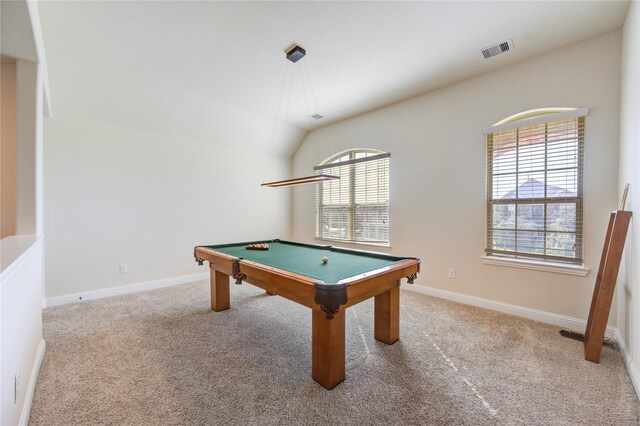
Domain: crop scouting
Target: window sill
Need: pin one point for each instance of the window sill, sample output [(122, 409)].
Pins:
[(537, 265), (360, 243)]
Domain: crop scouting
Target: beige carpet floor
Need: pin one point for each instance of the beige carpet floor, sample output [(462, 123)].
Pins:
[(163, 357)]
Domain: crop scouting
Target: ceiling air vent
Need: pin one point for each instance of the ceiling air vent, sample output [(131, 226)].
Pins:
[(497, 49)]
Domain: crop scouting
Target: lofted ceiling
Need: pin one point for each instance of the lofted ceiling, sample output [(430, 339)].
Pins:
[(16, 34), (215, 70)]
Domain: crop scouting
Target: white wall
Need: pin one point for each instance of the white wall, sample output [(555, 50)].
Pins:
[(116, 195), (27, 90), (438, 170), (628, 290)]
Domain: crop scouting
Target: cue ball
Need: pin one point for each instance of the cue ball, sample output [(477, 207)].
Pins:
[(325, 259)]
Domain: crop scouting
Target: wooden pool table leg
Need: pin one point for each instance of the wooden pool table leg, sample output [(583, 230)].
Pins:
[(219, 290), (327, 348), (387, 316)]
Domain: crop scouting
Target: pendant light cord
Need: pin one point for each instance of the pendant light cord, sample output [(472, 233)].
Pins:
[(306, 99), (275, 121), (315, 102)]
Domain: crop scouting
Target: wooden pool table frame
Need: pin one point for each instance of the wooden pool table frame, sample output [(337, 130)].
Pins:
[(325, 301)]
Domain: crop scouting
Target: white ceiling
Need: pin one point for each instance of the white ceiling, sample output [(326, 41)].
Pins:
[(138, 63)]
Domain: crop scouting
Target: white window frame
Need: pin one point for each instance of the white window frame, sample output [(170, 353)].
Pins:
[(522, 260), (352, 161)]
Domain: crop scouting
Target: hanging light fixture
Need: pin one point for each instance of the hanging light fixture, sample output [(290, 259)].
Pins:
[(300, 181), (294, 55)]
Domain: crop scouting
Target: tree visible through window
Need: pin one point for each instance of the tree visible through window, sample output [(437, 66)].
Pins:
[(356, 206), (534, 186)]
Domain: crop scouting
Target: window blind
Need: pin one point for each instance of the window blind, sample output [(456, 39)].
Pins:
[(356, 206), (534, 190)]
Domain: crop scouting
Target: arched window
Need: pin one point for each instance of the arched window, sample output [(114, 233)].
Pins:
[(354, 208), (534, 185)]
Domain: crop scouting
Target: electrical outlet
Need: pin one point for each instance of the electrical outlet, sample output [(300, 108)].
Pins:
[(451, 273), (16, 387), (124, 268)]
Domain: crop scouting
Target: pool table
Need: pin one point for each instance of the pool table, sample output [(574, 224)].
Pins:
[(297, 272)]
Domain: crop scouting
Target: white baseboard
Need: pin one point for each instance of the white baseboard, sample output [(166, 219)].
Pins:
[(628, 361), (125, 289), (565, 322), (33, 379)]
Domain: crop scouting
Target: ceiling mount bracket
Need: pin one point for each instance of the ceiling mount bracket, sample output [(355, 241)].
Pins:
[(296, 53)]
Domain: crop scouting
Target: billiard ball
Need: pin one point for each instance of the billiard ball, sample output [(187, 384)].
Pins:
[(325, 259)]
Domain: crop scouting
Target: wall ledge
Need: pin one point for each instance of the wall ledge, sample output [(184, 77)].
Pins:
[(121, 290), (13, 251)]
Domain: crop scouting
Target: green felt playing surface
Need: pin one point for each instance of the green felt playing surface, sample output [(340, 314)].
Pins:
[(307, 259)]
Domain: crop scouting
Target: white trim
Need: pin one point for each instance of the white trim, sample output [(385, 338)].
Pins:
[(36, 28), (125, 289), (563, 321), (537, 265), (546, 118), (628, 362), (33, 379)]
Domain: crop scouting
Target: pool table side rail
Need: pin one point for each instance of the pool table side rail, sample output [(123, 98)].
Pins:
[(407, 263), (246, 243), (295, 287), (368, 253), (226, 260), (370, 284)]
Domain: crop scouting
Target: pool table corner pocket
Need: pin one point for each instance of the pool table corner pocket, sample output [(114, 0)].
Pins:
[(330, 297)]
